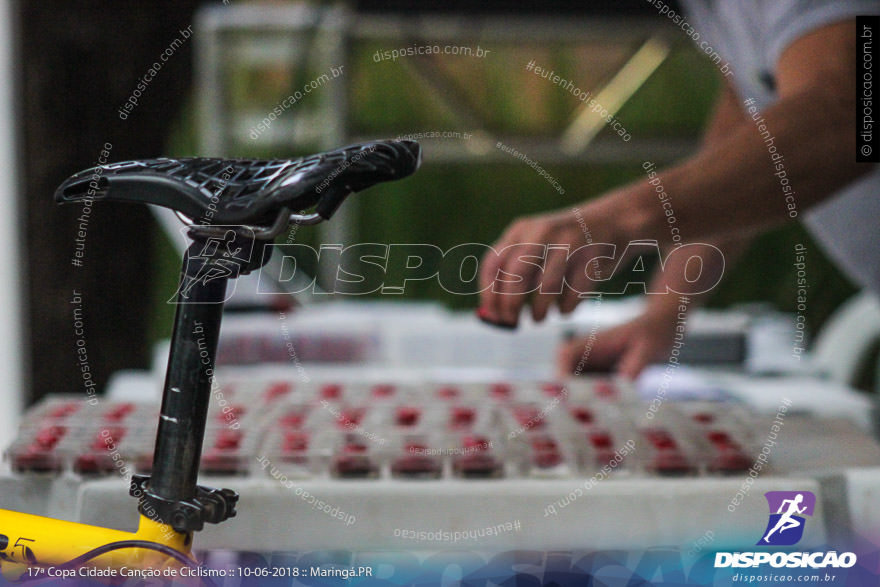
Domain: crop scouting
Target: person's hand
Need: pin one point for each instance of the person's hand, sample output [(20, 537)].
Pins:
[(626, 349), (526, 270)]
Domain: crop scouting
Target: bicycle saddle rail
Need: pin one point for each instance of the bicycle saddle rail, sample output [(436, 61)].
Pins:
[(248, 192)]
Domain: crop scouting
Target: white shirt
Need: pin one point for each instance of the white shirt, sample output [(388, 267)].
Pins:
[(751, 35)]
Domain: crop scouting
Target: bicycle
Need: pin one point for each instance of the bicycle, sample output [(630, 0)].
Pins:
[(233, 209)]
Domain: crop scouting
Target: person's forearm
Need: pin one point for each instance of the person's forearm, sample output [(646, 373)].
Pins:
[(727, 116), (732, 186)]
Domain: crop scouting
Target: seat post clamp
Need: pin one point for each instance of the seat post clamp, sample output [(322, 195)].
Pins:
[(208, 506)]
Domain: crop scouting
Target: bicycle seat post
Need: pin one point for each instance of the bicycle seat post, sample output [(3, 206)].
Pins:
[(187, 390), (234, 208), (216, 256)]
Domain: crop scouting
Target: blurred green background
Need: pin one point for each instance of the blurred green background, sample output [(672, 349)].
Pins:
[(452, 203)]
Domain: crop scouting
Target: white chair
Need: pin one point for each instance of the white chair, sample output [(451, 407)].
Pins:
[(850, 340)]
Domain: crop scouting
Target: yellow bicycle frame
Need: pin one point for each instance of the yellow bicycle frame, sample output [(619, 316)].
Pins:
[(27, 541)]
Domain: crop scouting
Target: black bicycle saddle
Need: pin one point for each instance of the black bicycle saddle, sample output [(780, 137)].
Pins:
[(246, 191)]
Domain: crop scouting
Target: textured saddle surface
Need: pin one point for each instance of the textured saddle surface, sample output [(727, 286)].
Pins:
[(246, 191)]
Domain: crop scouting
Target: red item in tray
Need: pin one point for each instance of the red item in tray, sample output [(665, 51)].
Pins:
[(477, 460), (660, 439), (331, 391), (728, 455), (671, 463), (107, 437), (476, 443), (528, 416), (224, 457), (668, 459), (35, 460), (407, 416), (293, 445), (417, 463), (462, 417), (295, 441), (235, 412), (64, 410), (729, 461), (294, 418), (603, 449), (93, 464), (501, 391), (553, 389), (278, 390), (582, 415), (720, 438), (117, 413), (545, 452), (228, 439), (448, 392), (354, 462), (349, 417), (217, 461), (605, 388), (382, 391)]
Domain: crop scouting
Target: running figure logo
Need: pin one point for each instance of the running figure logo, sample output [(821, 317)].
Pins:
[(786, 526), (221, 256)]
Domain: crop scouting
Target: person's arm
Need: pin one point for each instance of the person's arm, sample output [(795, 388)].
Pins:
[(630, 347), (728, 189), (727, 116), (733, 184)]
